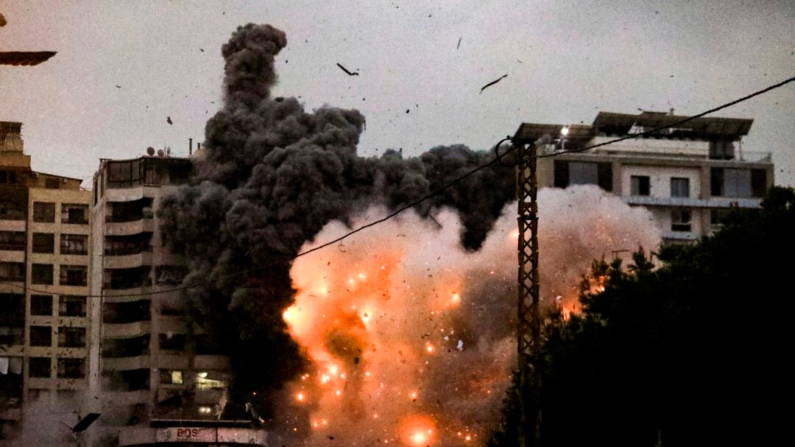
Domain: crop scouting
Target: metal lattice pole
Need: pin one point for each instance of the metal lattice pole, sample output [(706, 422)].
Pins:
[(529, 330)]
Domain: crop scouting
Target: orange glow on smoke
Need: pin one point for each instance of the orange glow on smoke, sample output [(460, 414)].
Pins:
[(417, 430)]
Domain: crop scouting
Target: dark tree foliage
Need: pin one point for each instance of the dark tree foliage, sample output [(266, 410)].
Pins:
[(692, 353)]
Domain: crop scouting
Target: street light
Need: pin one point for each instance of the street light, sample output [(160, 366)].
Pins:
[(564, 131)]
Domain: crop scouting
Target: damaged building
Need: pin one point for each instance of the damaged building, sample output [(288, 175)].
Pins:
[(689, 176), (160, 379), (45, 241)]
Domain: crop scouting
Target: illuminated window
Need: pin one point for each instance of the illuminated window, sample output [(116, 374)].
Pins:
[(208, 380), (680, 221)]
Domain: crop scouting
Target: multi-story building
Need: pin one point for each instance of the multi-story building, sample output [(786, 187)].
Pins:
[(689, 176), (44, 291), (159, 380)]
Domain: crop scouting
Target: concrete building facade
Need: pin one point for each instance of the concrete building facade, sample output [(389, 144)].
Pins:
[(44, 289), (689, 176), (159, 379)]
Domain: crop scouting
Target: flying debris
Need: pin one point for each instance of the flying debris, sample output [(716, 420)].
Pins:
[(2, 21), (254, 415), (346, 70), (118, 86), (459, 43), (168, 120), (84, 423), (493, 82)]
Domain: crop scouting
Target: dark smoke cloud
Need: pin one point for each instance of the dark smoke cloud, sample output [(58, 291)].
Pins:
[(2, 21), (270, 177)]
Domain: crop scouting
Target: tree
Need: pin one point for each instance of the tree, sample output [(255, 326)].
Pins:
[(692, 353)]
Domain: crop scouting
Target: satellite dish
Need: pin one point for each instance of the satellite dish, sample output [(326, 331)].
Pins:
[(150, 151), (160, 152)]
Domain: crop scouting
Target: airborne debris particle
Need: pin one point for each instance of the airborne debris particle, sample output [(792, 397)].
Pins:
[(168, 120), (493, 82), (346, 70), (2, 21), (459, 43)]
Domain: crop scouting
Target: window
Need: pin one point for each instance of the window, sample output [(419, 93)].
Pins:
[(758, 182), (171, 377), (40, 336), (680, 221), (680, 187), (12, 240), (8, 177), (726, 182), (73, 275), (172, 342), (124, 174), (43, 212), (12, 211), (208, 380), (71, 368), (125, 347), (41, 305), (42, 274), (130, 278), (582, 173), (72, 306), (12, 271), (74, 244), (43, 243), (40, 367), (122, 313), (12, 319), (52, 183), (72, 213), (71, 337), (640, 185)]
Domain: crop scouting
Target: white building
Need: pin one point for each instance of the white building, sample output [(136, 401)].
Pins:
[(688, 176)]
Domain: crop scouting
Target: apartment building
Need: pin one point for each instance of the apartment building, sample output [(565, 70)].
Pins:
[(44, 291), (689, 176), (160, 380)]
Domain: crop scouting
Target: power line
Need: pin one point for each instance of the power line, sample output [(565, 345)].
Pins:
[(497, 159)]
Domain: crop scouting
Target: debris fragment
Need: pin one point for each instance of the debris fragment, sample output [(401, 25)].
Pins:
[(459, 43), (346, 70), (118, 86), (493, 82), (460, 345), (168, 120), (85, 422), (2, 20)]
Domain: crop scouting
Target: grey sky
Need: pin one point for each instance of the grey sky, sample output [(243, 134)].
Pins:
[(565, 60)]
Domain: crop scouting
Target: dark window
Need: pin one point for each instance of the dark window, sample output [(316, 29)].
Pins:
[(137, 379), (8, 177), (758, 182), (124, 174), (721, 150), (73, 275), (125, 347), (640, 185), (173, 342), (96, 192), (128, 245), (581, 173), (130, 278), (12, 271), (12, 319), (74, 244), (12, 211), (40, 336), (52, 183), (71, 368), (680, 221), (12, 240), (40, 367), (130, 211), (121, 313), (43, 243), (716, 182), (170, 274), (41, 305), (43, 212), (718, 217), (72, 306), (605, 176), (561, 173), (680, 187), (72, 213), (726, 182), (71, 337), (42, 274)]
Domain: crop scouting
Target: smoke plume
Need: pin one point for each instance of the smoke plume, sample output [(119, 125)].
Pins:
[(273, 175), (270, 177)]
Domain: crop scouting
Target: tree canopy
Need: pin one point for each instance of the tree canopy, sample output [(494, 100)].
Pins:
[(690, 353)]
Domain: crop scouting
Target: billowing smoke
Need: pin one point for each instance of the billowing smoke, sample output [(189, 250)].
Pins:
[(407, 326), (270, 177), (413, 337)]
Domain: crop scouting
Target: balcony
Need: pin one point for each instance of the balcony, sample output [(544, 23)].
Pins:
[(126, 330), (144, 225), (126, 261), (684, 202), (212, 362), (126, 363)]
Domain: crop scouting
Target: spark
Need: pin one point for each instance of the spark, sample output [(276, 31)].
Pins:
[(339, 393), (300, 397)]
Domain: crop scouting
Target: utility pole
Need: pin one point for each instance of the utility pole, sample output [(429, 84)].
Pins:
[(529, 330)]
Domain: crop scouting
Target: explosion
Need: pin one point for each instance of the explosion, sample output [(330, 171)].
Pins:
[(413, 337)]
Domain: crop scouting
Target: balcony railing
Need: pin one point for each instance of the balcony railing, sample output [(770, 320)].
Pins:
[(126, 251)]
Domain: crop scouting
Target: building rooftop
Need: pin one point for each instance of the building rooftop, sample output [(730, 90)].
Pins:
[(24, 57)]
